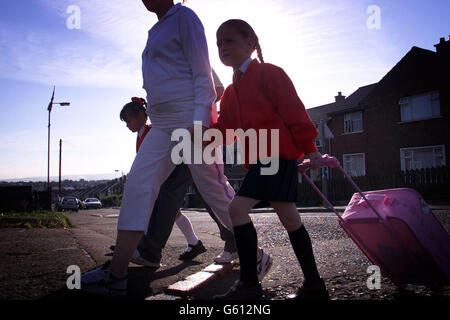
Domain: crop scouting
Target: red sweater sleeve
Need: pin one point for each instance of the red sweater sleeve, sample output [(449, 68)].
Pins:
[(281, 92)]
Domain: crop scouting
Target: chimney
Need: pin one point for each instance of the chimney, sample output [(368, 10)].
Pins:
[(339, 97), (443, 47)]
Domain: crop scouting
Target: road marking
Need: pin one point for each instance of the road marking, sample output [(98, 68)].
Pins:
[(112, 215), (199, 279)]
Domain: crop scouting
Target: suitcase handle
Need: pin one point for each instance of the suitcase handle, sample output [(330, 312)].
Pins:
[(377, 197), (332, 162)]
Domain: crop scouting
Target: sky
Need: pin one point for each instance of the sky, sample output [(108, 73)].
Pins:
[(90, 50)]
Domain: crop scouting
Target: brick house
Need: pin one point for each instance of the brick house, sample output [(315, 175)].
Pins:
[(400, 123)]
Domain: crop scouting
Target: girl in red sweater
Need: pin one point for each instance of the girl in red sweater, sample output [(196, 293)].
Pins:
[(263, 97)]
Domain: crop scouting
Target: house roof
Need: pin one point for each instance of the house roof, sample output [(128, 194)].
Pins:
[(417, 69), (352, 101), (417, 63)]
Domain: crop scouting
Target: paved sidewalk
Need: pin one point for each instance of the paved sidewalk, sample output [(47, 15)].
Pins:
[(33, 262)]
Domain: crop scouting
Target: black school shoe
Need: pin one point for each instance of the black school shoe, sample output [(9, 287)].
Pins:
[(241, 291), (192, 251), (101, 281), (309, 291)]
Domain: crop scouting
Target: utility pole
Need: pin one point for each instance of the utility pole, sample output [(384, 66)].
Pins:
[(49, 109), (59, 183)]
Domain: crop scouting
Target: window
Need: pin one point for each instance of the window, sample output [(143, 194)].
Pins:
[(420, 107), (355, 164), (422, 157), (318, 143), (353, 122)]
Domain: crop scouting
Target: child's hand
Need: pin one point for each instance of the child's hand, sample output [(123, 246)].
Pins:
[(312, 158), (316, 161)]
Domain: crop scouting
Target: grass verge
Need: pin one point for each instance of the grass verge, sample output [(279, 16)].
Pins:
[(35, 219)]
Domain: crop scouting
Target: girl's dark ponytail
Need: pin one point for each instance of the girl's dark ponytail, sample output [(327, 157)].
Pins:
[(259, 52)]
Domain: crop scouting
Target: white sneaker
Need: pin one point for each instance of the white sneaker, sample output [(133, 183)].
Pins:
[(102, 281), (226, 257), (138, 259), (264, 264)]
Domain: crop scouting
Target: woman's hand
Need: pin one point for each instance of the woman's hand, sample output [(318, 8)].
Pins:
[(193, 129)]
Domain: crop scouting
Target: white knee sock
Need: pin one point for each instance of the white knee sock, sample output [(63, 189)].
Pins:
[(186, 228)]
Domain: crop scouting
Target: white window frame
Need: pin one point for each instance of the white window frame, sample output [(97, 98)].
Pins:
[(344, 162), (407, 108), (403, 158), (348, 122)]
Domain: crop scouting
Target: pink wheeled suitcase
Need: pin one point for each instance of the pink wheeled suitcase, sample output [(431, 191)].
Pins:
[(396, 230)]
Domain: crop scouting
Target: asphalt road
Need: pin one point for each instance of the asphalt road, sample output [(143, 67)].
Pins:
[(33, 262), (342, 265)]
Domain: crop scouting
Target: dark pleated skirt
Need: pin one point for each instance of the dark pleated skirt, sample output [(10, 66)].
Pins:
[(281, 186)]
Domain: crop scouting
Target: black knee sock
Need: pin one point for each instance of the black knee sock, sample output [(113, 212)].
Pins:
[(301, 243), (246, 243)]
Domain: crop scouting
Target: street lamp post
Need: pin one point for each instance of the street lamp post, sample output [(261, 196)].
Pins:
[(59, 181), (121, 179), (49, 108)]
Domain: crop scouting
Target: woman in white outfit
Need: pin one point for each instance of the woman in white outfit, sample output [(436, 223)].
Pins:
[(177, 79)]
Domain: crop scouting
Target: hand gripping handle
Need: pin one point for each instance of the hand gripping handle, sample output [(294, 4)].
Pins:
[(325, 161)]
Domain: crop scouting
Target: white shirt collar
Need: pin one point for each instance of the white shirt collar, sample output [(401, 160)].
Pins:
[(245, 65), (171, 11)]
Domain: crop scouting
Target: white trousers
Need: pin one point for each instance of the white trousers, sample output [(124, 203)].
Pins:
[(150, 169)]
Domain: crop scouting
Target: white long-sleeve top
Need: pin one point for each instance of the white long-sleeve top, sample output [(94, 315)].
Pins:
[(175, 62)]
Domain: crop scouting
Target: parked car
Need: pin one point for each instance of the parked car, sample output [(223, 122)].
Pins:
[(92, 203), (68, 203)]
